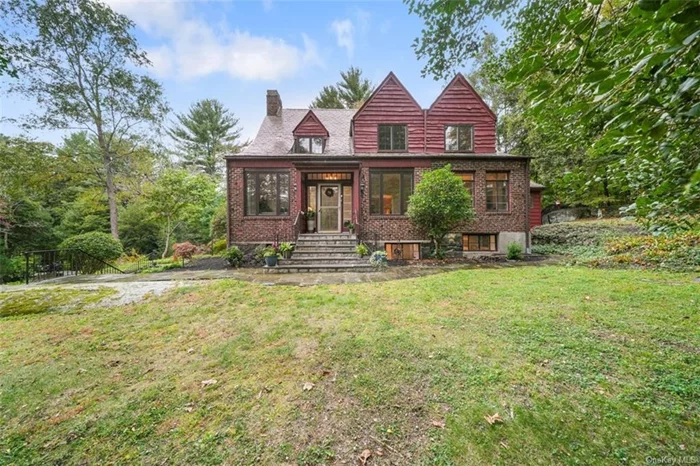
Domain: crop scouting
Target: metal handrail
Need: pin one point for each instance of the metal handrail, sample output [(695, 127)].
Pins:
[(53, 263)]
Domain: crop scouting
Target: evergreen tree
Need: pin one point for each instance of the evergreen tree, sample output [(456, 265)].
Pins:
[(205, 134), (350, 92)]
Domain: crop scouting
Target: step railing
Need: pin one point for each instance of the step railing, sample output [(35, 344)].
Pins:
[(53, 263)]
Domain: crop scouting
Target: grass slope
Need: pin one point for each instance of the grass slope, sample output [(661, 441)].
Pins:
[(584, 366)]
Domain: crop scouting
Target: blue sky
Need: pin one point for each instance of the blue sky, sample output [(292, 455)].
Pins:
[(235, 50)]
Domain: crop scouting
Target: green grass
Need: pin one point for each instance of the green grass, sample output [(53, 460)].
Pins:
[(584, 366)]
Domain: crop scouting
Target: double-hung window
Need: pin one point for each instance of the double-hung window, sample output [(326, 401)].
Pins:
[(459, 138), (389, 192), (497, 192), (468, 180), (266, 192), (393, 138)]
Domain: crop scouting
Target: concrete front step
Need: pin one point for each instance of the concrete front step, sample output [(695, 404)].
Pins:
[(327, 242), (319, 268), (325, 253), (325, 247), (324, 260), (325, 236)]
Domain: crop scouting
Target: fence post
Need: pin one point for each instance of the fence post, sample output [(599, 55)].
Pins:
[(26, 268)]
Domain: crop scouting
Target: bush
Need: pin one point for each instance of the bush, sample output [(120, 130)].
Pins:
[(378, 259), (582, 233), (219, 246), (233, 256), (514, 252), (362, 250), (185, 250), (101, 246), (675, 252), (11, 268)]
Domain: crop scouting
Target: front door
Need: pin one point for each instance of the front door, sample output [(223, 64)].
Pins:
[(329, 208)]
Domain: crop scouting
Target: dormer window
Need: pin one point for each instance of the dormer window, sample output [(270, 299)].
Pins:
[(310, 145), (459, 138)]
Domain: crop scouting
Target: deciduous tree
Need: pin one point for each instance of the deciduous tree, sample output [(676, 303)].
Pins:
[(77, 60)]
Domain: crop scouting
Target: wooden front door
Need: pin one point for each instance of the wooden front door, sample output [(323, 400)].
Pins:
[(329, 208)]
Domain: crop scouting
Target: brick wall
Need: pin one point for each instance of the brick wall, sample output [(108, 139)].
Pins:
[(257, 229), (516, 220)]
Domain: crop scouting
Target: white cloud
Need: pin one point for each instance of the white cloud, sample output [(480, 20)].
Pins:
[(344, 34), (192, 48)]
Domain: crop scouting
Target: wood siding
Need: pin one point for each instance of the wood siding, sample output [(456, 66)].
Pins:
[(459, 104), (390, 104), (536, 209), (310, 125)]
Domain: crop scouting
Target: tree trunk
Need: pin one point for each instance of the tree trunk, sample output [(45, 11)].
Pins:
[(167, 239), (109, 177)]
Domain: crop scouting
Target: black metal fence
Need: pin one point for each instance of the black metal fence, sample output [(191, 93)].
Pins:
[(53, 263)]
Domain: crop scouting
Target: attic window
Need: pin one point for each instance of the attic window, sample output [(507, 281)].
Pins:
[(310, 145), (459, 138)]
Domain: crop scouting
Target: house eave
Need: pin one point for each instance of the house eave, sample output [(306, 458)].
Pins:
[(375, 156)]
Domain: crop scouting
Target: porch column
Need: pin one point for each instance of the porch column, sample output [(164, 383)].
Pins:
[(356, 207), (299, 191)]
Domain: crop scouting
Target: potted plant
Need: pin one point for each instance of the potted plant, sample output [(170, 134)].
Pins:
[(310, 220), (270, 256), (350, 226), (286, 250)]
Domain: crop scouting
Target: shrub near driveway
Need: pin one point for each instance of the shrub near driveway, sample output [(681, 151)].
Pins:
[(582, 366)]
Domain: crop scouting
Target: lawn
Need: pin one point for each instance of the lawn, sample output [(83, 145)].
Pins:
[(583, 366)]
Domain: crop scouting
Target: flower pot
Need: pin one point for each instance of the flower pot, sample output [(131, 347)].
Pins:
[(271, 261), (310, 225)]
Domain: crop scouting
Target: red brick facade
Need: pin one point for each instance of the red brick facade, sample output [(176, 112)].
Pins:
[(391, 103)]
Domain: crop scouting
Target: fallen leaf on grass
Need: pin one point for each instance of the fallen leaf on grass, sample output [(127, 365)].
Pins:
[(364, 456), (504, 445), (206, 383), (438, 424), (379, 452), (493, 418), (308, 386)]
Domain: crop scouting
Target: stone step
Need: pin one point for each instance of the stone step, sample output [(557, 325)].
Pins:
[(336, 253), (324, 260), (329, 247), (318, 243), (331, 236), (319, 268)]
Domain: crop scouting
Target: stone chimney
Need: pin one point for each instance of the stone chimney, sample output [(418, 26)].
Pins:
[(274, 103)]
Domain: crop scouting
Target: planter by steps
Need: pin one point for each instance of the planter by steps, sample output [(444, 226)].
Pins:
[(271, 261)]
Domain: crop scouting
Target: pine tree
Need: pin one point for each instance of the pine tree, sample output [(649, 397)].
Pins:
[(350, 92), (205, 134)]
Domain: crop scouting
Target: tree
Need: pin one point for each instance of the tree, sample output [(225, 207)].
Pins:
[(350, 92), (620, 77), (206, 133), (176, 195), (439, 203), (76, 60), (329, 97)]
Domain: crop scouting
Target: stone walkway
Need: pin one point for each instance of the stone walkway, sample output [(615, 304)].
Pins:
[(254, 275)]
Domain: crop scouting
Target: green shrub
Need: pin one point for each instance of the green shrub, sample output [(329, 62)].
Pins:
[(675, 252), (101, 246), (582, 233), (362, 250), (378, 259), (219, 246), (11, 268), (514, 252), (233, 256)]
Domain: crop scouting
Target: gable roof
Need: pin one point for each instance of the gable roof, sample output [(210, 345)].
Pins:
[(460, 79), (310, 121), (276, 134), (391, 77)]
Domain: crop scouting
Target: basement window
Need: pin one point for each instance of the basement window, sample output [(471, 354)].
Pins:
[(479, 243)]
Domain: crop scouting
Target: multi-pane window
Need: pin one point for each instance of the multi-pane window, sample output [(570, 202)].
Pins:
[(459, 138), (479, 243), (497, 192), (310, 145), (392, 137), (266, 193), (389, 192), (468, 180)]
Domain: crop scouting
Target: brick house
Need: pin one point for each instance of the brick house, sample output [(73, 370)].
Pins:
[(360, 166)]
